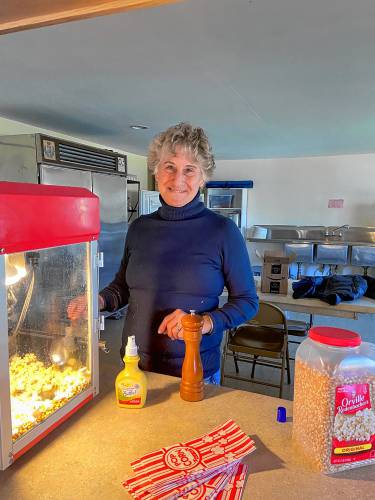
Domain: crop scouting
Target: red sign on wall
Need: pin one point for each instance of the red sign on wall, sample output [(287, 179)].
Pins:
[(336, 203)]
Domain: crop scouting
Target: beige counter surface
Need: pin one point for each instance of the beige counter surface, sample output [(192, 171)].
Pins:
[(89, 455)]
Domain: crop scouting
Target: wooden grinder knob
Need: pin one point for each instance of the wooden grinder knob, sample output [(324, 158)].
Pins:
[(191, 388)]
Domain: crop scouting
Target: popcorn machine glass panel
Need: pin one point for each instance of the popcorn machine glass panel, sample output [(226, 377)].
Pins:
[(49, 355)]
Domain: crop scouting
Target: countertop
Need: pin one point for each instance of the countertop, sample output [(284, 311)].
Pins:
[(89, 455)]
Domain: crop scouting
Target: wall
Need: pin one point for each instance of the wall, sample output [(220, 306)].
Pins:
[(297, 190), (286, 190), (136, 163)]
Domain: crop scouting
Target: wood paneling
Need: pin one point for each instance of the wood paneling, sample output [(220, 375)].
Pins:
[(17, 15)]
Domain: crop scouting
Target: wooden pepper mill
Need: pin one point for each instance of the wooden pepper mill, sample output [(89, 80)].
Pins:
[(191, 388)]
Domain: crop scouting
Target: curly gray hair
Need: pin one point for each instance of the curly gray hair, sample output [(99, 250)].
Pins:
[(192, 140)]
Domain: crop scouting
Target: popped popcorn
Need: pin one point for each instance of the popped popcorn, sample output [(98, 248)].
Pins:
[(37, 390), (357, 427)]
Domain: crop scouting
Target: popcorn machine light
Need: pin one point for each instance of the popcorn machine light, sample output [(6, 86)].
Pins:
[(48, 364)]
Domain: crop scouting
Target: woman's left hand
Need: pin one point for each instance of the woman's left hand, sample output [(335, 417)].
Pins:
[(171, 325)]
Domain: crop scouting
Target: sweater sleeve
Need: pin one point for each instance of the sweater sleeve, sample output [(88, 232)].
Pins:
[(116, 294), (243, 301)]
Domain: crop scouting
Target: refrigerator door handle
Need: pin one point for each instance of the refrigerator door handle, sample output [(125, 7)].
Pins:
[(100, 259)]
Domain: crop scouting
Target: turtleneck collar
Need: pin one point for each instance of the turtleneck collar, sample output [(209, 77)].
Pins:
[(188, 211)]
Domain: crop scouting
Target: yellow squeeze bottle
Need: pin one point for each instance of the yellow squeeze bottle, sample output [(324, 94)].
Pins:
[(131, 382)]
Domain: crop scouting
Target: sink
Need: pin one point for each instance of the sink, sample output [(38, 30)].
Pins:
[(304, 252), (359, 234), (331, 254), (315, 234), (296, 232), (363, 256), (351, 236)]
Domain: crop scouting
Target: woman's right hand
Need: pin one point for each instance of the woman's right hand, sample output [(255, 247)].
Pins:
[(77, 307)]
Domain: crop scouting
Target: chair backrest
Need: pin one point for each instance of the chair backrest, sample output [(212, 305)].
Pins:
[(269, 315)]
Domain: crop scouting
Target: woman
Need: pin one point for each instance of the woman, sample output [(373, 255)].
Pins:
[(179, 259)]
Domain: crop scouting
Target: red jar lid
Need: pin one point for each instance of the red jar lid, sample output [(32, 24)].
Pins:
[(335, 336)]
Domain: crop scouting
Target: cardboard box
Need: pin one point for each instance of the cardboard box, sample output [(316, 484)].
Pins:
[(275, 273)]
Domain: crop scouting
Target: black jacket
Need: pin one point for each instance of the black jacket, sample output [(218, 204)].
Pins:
[(331, 289)]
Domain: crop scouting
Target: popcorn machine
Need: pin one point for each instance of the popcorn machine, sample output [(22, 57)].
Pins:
[(48, 363)]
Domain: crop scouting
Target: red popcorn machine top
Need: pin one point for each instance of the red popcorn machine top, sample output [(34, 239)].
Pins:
[(48, 363)]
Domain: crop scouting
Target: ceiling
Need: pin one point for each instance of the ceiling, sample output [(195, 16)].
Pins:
[(265, 78)]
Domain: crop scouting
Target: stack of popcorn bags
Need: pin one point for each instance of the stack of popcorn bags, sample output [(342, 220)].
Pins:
[(208, 467)]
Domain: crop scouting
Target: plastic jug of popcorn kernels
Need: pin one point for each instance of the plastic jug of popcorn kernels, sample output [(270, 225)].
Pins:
[(334, 399)]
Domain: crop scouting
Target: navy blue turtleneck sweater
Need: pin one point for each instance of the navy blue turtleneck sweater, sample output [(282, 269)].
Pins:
[(181, 258)]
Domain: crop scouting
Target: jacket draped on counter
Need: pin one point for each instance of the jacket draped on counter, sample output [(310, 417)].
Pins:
[(334, 289), (370, 292), (181, 258)]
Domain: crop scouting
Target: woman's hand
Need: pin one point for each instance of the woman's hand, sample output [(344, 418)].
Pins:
[(77, 307), (171, 325)]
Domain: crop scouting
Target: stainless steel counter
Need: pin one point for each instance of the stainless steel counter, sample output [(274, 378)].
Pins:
[(323, 242), (312, 234)]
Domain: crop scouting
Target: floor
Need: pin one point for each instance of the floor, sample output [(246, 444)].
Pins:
[(110, 364), (269, 374)]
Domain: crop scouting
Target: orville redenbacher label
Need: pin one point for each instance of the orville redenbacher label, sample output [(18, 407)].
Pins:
[(354, 426), (129, 394)]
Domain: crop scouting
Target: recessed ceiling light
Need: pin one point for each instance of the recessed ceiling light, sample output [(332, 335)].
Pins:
[(138, 127)]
